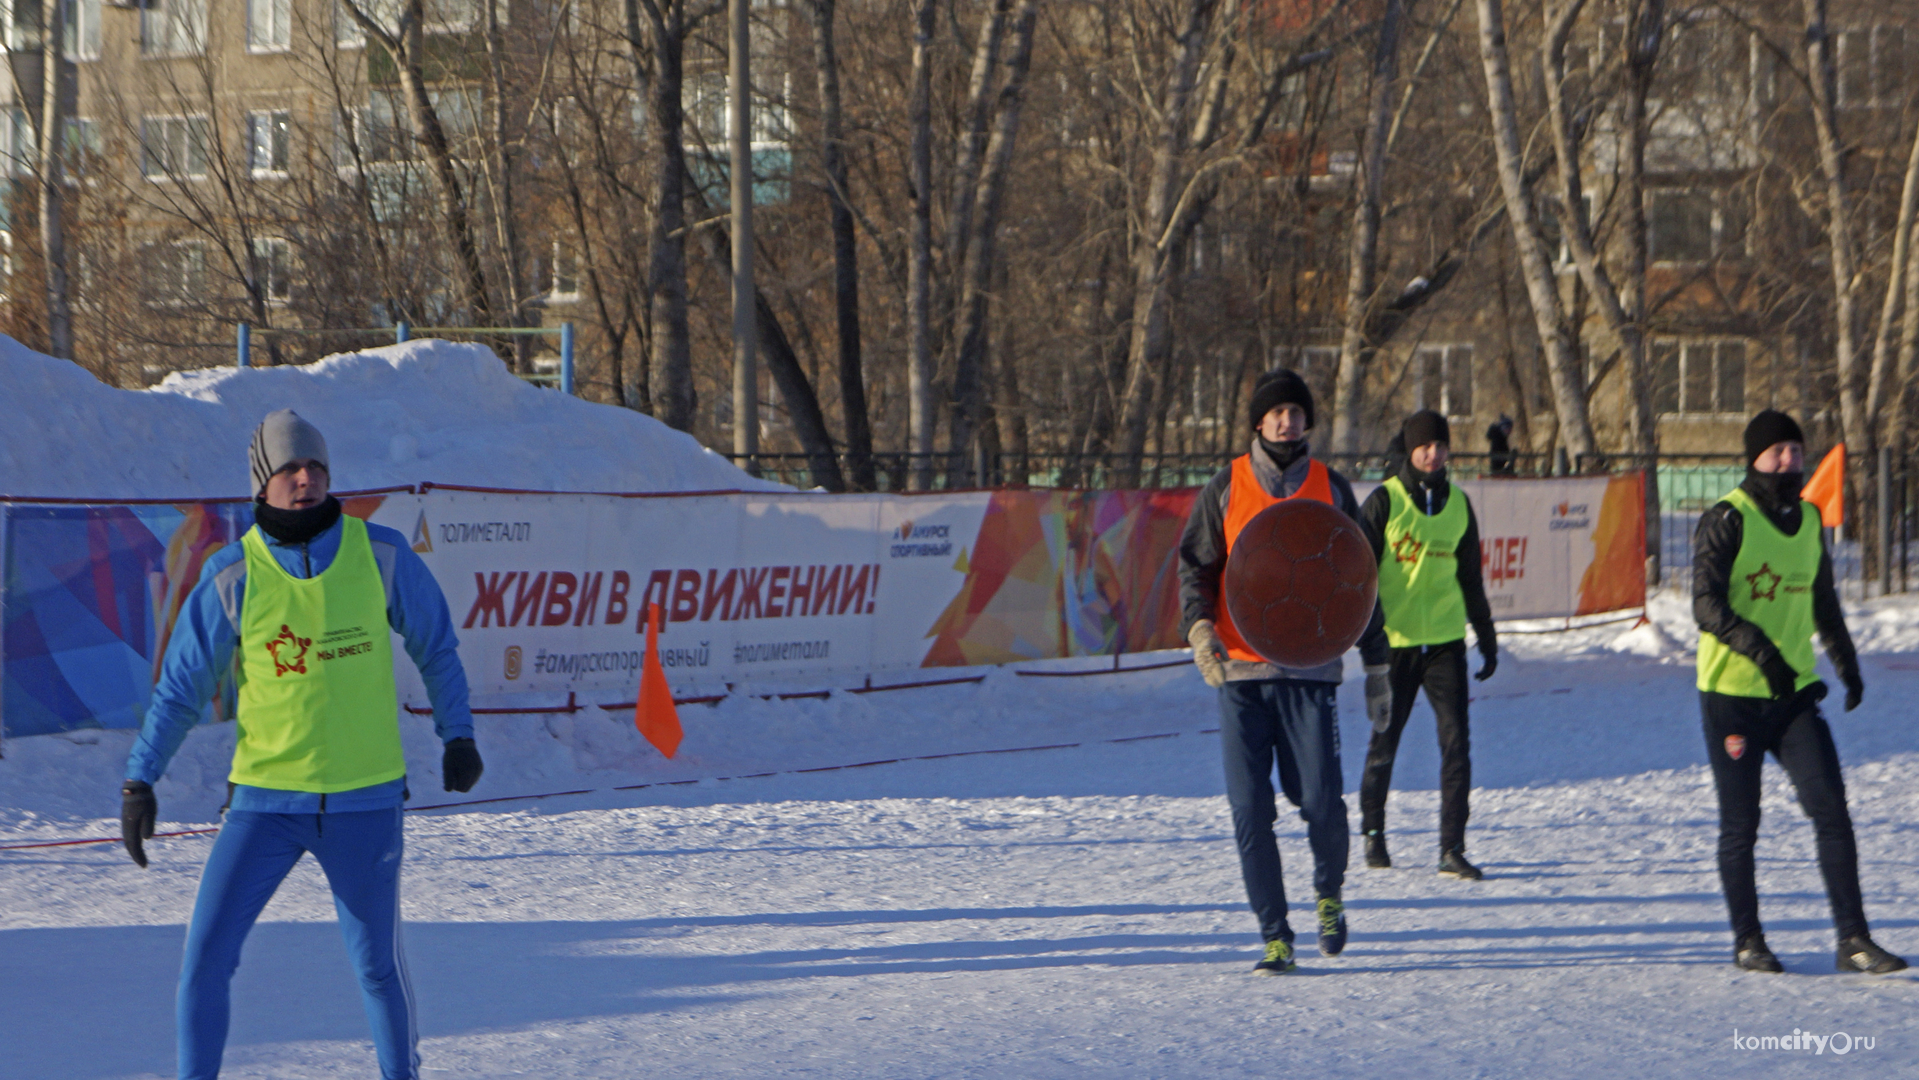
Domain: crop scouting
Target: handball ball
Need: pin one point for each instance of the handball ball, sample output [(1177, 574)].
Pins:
[(1300, 583)]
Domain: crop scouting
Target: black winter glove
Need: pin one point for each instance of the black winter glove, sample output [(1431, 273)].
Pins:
[(138, 811), (1781, 679), (460, 766), (1489, 655), (1855, 688)]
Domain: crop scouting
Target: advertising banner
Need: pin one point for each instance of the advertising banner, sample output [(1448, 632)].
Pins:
[(548, 591)]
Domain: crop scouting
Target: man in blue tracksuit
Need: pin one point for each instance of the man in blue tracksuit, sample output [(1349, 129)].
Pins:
[(300, 610)]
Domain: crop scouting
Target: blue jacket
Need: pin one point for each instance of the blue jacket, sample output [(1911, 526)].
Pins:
[(204, 637)]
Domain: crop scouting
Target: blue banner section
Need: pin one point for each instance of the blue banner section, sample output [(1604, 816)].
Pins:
[(91, 594)]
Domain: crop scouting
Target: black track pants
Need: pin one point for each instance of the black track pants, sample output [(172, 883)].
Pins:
[(1441, 670), (1793, 732)]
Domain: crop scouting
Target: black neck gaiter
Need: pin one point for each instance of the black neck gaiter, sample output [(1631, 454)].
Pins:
[(1284, 454), (296, 526), (1775, 492)]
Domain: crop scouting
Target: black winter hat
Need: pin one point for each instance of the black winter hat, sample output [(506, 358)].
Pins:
[(1426, 426), (1281, 386), (1768, 428)]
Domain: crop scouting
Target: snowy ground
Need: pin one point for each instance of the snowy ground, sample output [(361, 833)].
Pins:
[(1071, 912)]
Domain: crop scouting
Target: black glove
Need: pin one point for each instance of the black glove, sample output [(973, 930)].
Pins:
[(1855, 688), (1489, 655), (460, 766), (138, 810), (1781, 679)]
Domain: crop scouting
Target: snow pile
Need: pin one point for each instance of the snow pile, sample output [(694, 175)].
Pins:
[(427, 410)]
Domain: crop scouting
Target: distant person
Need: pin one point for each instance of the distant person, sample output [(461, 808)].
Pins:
[(1761, 586), (1499, 447), (305, 600), (1272, 716), (1426, 539)]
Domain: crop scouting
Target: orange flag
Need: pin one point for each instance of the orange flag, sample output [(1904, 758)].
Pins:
[(1827, 489), (654, 713)]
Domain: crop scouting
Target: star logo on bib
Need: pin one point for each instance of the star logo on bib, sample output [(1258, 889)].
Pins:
[(1764, 582), (289, 652), (1406, 549)]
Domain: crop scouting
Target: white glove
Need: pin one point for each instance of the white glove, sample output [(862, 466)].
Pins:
[(1379, 696), (1208, 654)]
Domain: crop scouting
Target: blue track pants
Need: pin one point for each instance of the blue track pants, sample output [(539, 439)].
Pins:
[(361, 854)]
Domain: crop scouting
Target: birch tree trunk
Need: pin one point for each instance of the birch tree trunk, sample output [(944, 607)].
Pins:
[(1363, 251), (919, 269), (53, 126), (1562, 360)]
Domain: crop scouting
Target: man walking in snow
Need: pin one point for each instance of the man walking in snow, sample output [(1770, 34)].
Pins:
[(305, 601), (1272, 716), (1761, 586), (1426, 539)]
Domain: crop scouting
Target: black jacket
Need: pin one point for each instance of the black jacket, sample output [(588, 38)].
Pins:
[(1715, 545), (1431, 497), (1202, 548)]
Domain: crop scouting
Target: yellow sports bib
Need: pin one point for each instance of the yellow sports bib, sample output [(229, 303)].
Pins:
[(1771, 588), (1419, 570), (317, 710)]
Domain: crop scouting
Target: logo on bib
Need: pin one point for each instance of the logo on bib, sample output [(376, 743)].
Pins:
[(1735, 746), (1406, 549), (289, 652), (1764, 582)]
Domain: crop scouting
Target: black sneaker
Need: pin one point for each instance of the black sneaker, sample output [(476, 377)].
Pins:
[(1279, 959), (1332, 926), (1858, 953), (1453, 864), (1376, 857), (1751, 954)]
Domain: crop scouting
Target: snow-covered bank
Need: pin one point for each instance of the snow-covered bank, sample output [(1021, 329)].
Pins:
[(399, 414)]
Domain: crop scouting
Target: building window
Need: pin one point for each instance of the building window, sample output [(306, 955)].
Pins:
[(1698, 377), (81, 144), (174, 28), (1694, 225), (442, 17), (17, 143), (267, 142), (173, 147), (563, 276), (1318, 365), (1442, 379), (269, 25), (82, 32), (270, 263), (1872, 67), (176, 273)]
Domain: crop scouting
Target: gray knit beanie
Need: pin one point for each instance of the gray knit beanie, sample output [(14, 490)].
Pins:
[(282, 437)]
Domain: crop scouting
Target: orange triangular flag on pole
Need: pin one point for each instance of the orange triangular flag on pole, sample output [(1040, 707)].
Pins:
[(1827, 488), (654, 713)]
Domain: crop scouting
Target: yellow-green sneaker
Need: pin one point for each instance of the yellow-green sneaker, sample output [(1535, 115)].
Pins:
[(1279, 959), (1332, 926)]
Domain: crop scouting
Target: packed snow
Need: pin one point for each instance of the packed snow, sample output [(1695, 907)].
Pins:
[(426, 410), (1064, 912), (1027, 875)]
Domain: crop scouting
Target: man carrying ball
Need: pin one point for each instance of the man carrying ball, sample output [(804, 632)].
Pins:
[(1271, 715), (1761, 586)]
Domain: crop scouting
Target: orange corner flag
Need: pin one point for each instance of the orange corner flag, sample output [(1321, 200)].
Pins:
[(1827, 488), (654, 713)]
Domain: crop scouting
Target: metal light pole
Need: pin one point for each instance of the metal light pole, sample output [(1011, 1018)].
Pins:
[(746, 388)]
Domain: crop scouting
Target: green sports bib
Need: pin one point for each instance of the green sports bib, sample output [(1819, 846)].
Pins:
[(317, 710), (1771, 588), (1419, 571)]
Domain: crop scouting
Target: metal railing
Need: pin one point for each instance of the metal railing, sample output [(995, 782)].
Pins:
[(904, 471), (243, 334)]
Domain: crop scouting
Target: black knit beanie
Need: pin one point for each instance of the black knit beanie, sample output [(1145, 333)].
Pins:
[(1281, 386), (1426, 426), (1768, 428)]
